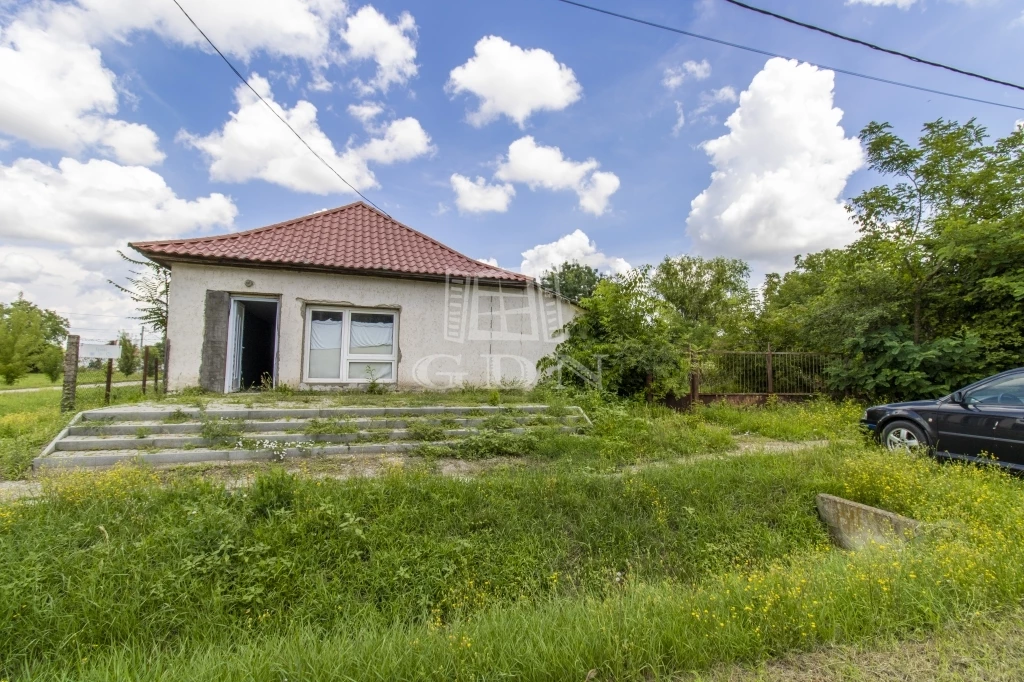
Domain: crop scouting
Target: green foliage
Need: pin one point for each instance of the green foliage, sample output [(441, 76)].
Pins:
[(128, 361), (424, 430), (220, 431), (711, 296), (147, 287), (328, 427), (931, 295), (818, 419), (517, 574), (572, 280), (50, 361), (26, 334)]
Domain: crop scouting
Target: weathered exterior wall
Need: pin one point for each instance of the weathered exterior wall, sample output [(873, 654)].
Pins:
[(437, 348)]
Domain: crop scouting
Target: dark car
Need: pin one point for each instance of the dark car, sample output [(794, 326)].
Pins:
[(977, 423)]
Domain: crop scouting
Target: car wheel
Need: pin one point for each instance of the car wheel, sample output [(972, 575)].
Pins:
[(901, 435)]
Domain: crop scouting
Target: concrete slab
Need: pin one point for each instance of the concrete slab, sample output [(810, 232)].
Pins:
[(853, 525)]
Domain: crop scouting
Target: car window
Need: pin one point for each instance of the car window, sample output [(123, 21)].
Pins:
[(1006, 391)]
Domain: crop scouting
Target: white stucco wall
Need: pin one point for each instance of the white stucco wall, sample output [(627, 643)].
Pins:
[(441, 344)]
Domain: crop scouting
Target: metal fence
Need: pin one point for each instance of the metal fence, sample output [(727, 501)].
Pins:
[(724, 373)]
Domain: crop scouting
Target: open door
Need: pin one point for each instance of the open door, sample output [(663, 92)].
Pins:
[(252, 343)]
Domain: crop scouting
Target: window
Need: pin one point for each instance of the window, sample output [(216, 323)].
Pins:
[(350, 345), (1008, 391)]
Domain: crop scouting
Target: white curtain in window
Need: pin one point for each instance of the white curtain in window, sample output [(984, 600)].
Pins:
[(367, 334), (325, 334), (324, 349)]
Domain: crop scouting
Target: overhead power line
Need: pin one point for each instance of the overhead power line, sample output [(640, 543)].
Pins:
[(274, 111), (865, 43), (766, 53)]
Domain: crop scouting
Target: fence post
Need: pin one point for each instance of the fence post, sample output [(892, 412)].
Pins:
[(67, 395), (768, 365), (110, 375), (145, 367), (694, 376)]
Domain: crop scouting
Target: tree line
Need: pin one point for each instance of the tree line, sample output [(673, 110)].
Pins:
[(929, 297)]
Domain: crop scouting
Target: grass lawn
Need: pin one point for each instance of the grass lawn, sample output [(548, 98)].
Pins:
[(85, 376), (649, 548), (988, 647)]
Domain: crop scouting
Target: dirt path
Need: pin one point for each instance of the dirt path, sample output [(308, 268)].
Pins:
[(57, 388), (234, 475)]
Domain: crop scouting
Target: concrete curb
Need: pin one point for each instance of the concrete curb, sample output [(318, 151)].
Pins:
[(853, 525)]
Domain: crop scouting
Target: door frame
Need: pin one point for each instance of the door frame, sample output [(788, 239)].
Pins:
[(234, 358)]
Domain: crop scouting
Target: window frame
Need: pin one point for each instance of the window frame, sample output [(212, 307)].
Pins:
[(346, 340)]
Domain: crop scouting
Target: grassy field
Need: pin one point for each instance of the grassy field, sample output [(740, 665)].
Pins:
[(648, 549), (987, 647), (85, 376)]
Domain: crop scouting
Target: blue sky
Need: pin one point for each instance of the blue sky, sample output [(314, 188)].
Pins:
[(114, 125)]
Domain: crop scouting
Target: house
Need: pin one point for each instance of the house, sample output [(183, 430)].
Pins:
[(346, 297)]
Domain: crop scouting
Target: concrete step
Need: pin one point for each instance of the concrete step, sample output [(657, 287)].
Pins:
[(86, 443), (159, 435), (162, 413), (135, 428)]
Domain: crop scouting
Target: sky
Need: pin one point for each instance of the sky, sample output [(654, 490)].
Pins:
[(523, 134)]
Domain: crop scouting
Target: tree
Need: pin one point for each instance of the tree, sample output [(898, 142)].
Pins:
[(128, 362), (635, 332), (148, 288), (50, 362), (21, 339), (711, 296), (573, 280), (931, 294)]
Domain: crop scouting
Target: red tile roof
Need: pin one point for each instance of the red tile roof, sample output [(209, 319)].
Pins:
[(353, 238)]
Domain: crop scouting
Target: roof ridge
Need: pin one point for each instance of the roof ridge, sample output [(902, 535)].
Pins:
[(255, 230), (441, 244)]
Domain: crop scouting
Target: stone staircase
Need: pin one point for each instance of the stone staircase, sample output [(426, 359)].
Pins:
[(179, 435)]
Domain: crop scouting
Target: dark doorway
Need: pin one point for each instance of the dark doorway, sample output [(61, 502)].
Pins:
[(255, 344)]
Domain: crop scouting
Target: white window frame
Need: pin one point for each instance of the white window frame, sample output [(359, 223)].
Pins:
[(346, 340)]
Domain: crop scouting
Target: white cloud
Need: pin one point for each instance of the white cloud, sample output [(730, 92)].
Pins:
[(490, 261), (779, 172), (253, 144), (680, 119), (1018, 124), (366, 112), (479, 197), (902, 4), (513, 82), (281, 28), (98, 204), (546, 167), (60, 228), (370, 35), (572, 247), (56, 94), (20, 268), (675, 75), (713, 98)]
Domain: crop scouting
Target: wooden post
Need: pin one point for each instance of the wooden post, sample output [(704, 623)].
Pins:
[(145, 367), (694, 377), (768, 365), (67, 396), (649, 387), (110, 374), (156, 376)]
